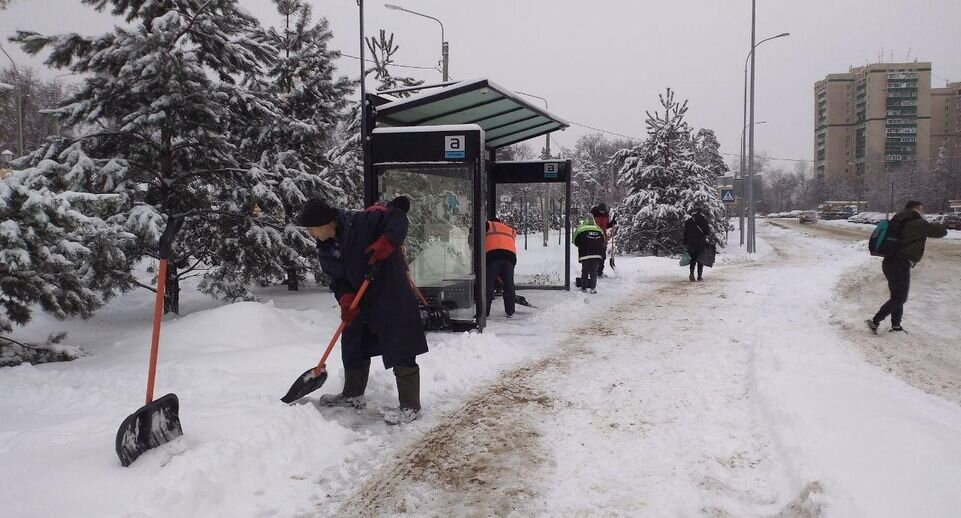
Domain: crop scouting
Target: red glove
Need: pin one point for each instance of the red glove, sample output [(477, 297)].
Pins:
[(346, 313), (380, 250)]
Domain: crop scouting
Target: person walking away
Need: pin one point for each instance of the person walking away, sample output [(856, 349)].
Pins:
[(590, 243), (387, 321), (696, 232), (501, 252), (912, 231), (603, 219)]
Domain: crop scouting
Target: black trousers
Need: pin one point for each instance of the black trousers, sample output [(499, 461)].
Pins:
[(589, 269), (700, 268), (505, 270), (600, 267), (695, 252), (898, 272)]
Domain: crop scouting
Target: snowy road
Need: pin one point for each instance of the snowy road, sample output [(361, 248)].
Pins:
[(734, 397)]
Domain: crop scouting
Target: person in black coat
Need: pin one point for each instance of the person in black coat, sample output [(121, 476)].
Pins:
[(387, 321), (696, 232)]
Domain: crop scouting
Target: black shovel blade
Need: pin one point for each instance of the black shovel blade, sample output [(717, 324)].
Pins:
[(523, 301), (155, 423), (611, 261), (305, 384)]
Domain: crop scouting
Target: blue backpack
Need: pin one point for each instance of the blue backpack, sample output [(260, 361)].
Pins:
[(885, 241), (879, 239)]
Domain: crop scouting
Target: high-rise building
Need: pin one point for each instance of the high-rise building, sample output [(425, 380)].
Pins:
[(946, 121), (870, 119)]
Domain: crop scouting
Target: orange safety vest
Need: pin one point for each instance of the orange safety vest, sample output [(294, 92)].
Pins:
[(500, 237)]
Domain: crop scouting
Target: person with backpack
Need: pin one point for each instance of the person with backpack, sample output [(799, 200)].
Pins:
[(696, 234), (387, 322), (902, 247), (590, 243), (603, 219), (501, 254)]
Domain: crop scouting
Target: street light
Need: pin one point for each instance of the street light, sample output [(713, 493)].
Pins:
[(751, 243), (444, 55), (740, 213), (19, 88), (547, 138)]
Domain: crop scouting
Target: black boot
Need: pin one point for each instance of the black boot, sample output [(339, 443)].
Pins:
[(408, 395), (355, 384)]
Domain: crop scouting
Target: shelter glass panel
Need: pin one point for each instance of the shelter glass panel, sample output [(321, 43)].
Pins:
[(536, 212), (440, 246)]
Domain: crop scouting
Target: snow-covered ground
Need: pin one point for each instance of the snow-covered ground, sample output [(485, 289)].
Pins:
[(744, 395), (244, 453)]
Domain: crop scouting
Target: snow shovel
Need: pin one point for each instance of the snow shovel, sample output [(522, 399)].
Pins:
[(611, 260), (314, 377), (520, 299), (158, 421)]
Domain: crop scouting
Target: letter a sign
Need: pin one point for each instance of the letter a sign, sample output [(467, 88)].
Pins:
[(454, 146)]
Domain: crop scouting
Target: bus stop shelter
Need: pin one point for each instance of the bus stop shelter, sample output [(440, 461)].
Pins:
[(439, 149)]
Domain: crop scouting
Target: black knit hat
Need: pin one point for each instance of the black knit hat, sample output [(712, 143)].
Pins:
[(401, 203), (317, 213)]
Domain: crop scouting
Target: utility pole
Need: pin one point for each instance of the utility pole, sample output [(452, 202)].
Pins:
[(750, 161)]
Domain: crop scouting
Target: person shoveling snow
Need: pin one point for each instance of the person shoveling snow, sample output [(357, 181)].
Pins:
[(384, 321)]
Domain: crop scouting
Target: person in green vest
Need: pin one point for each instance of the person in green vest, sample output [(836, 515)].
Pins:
[(591, 244)]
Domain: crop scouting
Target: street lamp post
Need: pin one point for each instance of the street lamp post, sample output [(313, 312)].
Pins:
[(751, 241), (740, 217), (444, 47), (19, 88)]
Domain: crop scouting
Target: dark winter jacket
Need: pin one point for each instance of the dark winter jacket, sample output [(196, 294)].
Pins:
[(590, 242), (390, 307), (696, 232), (914, 233)]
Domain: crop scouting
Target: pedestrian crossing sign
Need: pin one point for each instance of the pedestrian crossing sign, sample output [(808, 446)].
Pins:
[(727, 195)]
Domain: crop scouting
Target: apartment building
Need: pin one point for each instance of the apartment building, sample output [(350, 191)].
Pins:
[(946, 120), (870, 119)]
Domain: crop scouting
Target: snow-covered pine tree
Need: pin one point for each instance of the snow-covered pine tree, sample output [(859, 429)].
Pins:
[(664, 183), (346, 161), (585, 182), (156, 106), (382, 52), (288, 148), (54, 252), (707, 152)]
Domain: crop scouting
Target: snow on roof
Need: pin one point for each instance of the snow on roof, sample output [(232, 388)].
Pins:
[(430, 129)]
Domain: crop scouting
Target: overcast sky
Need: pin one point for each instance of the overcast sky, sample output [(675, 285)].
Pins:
[(602, 63)]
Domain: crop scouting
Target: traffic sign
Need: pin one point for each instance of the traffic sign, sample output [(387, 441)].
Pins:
[(727, 195)]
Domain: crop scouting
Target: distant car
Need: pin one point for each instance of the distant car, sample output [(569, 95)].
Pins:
[(808, 216), (952, 221)]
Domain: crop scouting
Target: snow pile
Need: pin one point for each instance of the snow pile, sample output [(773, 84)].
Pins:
[(243, 453)]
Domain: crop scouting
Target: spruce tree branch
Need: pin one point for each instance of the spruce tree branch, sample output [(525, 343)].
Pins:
[(224, 170), (190, 25), (21, 344), (142, 285)]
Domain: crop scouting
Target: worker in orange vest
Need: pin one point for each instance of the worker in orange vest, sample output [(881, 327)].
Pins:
[(501, 259)]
